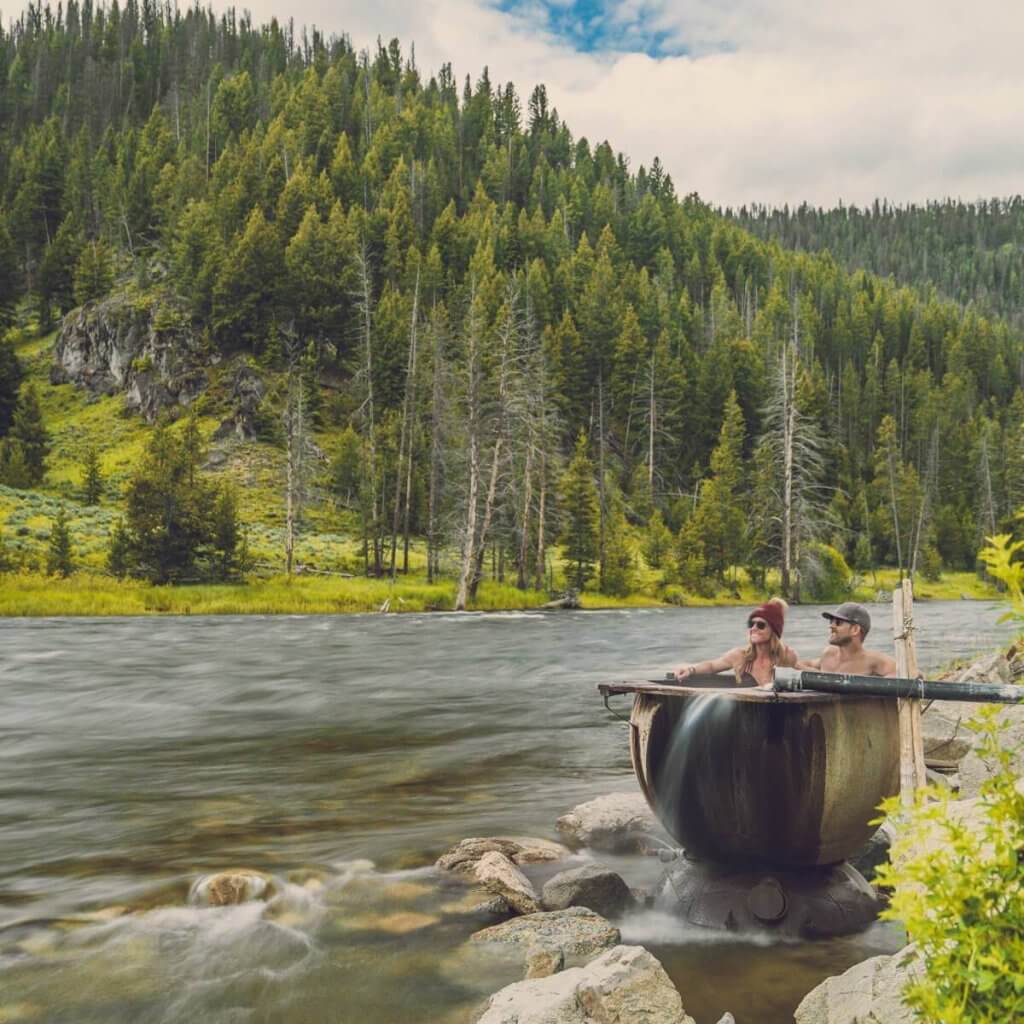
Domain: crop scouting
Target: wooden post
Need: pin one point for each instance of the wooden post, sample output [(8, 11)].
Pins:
[(912, 770)]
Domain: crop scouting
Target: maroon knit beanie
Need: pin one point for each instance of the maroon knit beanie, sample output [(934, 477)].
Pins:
[(773, 613)]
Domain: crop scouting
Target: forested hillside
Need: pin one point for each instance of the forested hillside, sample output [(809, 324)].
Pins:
[(969, 252), (488, 333)]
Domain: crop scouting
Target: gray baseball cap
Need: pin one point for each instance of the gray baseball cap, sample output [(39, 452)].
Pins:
[(851, 612)]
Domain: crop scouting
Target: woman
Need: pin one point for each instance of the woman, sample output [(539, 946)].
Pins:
[(755, 664)]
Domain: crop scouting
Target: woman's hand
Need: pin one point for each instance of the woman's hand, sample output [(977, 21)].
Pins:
[(685, 670)]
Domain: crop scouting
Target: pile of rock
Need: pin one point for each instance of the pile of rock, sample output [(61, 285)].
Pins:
[(575, 969)]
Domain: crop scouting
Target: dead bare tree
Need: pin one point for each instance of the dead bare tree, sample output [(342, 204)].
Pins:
[(405, 439)]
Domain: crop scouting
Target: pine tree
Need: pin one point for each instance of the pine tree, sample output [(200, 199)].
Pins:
[(59, 561), (719, 516), (580, 530), (92, 477), (119, 553), (658, 541), (29, 431), (93, 273), (11, 375), (618, 569)]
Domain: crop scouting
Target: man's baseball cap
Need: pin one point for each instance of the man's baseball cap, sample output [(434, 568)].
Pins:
[(851, 612)]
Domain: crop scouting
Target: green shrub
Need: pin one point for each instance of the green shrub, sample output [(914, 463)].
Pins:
[(959, 892), (825, 575), (674, 595)]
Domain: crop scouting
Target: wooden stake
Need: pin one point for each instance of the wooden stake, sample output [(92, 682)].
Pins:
[(912, 769)]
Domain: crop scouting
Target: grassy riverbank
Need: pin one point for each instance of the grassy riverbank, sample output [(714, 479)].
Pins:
[(85, 593)]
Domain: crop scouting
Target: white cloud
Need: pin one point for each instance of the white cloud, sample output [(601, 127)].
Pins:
[(773, 102)]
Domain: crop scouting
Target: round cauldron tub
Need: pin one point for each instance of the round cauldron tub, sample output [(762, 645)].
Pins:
[(744, 774)]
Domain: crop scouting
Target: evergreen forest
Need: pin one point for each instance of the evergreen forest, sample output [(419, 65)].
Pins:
[(473, 335)]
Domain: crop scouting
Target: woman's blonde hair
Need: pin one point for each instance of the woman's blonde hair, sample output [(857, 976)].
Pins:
[(776, 647)]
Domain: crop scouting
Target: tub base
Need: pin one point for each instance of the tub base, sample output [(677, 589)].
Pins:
[(815, 902)]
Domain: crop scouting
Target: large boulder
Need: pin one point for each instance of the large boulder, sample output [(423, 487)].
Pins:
[(944, 735), (572, 935), (593, 886), (147, 349), (618, 822), (497, 874), (868, 993), (625, 985), (464, 855), (974, 770)]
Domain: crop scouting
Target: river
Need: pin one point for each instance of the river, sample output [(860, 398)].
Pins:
[(342, 755)]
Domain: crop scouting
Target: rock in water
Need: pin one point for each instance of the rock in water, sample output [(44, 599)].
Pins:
[(496, 873), (593, 886), (464, 855), (618, 822), (624, 985), (868, 993), (574, 934), (227, 888)]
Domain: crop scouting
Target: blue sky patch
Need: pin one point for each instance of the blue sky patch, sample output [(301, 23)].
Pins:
[(591, 26)]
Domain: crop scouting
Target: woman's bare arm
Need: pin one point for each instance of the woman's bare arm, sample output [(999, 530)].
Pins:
[(723, 663)]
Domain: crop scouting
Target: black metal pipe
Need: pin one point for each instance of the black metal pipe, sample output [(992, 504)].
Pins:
[(795, 680)]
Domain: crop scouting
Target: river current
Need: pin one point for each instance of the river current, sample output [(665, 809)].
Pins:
[(342, 755)]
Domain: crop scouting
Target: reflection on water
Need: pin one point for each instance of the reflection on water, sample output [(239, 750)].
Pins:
[(136, 754)]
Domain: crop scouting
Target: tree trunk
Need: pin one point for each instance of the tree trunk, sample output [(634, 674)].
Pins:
[(541, 551), (410, 373), (524, 535), (435, 457)]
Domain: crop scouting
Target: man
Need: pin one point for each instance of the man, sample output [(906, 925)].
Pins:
[(848, 627)]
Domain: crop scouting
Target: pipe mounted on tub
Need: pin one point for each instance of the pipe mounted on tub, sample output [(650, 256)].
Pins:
[(792, 680)]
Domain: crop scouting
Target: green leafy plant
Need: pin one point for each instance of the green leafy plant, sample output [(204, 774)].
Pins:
[(958, 879), (958, 888)]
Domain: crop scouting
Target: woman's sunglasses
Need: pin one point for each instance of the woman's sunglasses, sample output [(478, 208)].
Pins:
[(757, 624)]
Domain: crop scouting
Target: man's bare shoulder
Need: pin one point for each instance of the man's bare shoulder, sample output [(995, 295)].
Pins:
[(881, 664), (829, 659)]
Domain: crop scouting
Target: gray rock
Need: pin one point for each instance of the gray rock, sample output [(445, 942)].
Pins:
[(464, 855), (619, 822), (974, 770), (542, 962), (226, 888), (993, 668), (577, 934), (942, 779), (944, 735), (875, 851), (626, 985), (593, 886), (496, 873), (149, 351), (868, 993), (727, 1018)]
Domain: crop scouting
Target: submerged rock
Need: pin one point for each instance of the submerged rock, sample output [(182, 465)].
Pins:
[(625, 984), (593, 886), (464, 855), (226, 888), (868, 993), (576, 934), (618, 822), (496, 873)]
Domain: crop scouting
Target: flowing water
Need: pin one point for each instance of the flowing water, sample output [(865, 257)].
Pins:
[(341, 755)]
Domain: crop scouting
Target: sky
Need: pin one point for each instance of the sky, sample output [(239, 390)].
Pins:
[(766, 101)]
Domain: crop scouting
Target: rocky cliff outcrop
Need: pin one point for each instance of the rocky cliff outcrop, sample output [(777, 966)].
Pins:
[(147, 349)]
